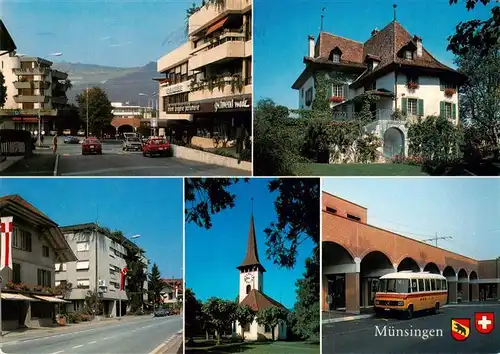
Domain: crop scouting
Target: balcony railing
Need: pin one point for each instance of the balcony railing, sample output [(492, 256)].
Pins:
[(23, 84), (30, 71), (32, 98), (236, 82), (229, 36)]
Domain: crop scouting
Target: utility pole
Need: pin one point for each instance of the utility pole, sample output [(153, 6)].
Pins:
[(87, 110), (436, 238), (96, 238)]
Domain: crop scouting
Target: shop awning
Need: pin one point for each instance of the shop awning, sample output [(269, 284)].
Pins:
[(52, 299), (216, 26), (16, 297)]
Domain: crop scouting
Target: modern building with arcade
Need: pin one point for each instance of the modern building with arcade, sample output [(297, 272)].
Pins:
[(356, 254)]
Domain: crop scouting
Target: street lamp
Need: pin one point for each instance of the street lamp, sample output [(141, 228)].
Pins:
[(121, 270), (57, 54), (151, 109)]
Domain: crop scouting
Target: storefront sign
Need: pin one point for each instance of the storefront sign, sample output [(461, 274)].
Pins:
[(231, 104), (187, 108), (170, 90)]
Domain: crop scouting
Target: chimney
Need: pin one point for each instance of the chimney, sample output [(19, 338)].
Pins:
[(311, 47), (418, 41), (375, 31)]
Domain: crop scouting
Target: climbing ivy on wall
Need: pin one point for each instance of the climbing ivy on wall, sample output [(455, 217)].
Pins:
[(435, 138)]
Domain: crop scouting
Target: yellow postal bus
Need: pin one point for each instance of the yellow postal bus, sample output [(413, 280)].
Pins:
[(407, 292)]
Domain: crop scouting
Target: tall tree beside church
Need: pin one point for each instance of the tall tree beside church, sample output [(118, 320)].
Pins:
[(297, 206), (220, 314), (3, 90), (245, 316), (155, 284)]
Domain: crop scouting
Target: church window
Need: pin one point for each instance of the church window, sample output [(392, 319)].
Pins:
[(246, 327), (267, 329), (248, 288)]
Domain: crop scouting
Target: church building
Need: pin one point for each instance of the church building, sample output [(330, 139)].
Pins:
[(251, 293)]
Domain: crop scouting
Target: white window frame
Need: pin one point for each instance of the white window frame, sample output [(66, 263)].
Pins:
[(336, 57), (408, 55), (447, 85), (82, 265), (83, 246), (338, 90), (448, 110), (409, 107), (64, 267), (83, 282)]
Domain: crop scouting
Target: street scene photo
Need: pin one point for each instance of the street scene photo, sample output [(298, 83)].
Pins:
[(252, 265), (87, 95), (99, 272), (410, 265), (377, 88)]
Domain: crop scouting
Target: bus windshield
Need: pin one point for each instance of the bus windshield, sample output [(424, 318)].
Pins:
[(394, 285)]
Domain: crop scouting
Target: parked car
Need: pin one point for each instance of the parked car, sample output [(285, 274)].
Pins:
[(81, 132), (66, 132), (131, 143), (156, 146), (91, 145), (71, 140), (160, 313)]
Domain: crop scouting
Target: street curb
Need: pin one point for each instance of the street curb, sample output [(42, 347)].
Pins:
[(55, 167), (470, 305), (347, 318), (169, 344), (11, 160)]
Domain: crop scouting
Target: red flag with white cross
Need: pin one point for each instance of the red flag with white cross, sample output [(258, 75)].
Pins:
[(484, 321), (6, 229), (123, 274)]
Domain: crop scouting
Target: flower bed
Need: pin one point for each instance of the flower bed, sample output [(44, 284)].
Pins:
[(412, 86), (449, 92), (410, 160), (336, 99)]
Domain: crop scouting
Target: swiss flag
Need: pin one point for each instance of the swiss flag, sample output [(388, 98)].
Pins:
[(484, 321), (123, 274), (6, 242)]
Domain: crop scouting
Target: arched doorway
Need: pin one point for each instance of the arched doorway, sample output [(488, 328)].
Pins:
[(336, 263), (373, 266), (462, 285), (125, 128), (473, 286), (432, 268), (393, 142), (408, 264), (450, 275)]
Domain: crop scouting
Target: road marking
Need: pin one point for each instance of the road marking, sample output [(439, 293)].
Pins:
[(56, 164), (60, 351), (78, 346), (105, 338), (94, 341)]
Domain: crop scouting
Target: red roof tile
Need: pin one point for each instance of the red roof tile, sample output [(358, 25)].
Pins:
[(259, 301), (16, 198), (352, 51)]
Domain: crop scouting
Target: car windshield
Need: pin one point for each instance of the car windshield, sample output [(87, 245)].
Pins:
[(158, 142), (134, 140), (393, 285)]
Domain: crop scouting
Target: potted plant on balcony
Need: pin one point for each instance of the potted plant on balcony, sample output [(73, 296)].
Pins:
[(38, 288), (449, 92), (412, 85), (336, 99), (12, 286), (164, 81), (220, 82), (24, 287), (237, 83)]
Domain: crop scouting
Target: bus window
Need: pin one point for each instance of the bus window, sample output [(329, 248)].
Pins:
[(445, 284), (427, 285), (438, 284), (421, 285), (398, 285), (433, 284), (414, 288)]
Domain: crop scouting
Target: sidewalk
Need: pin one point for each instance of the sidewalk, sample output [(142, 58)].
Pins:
[(32, 333), (9, 161), (173, 345), (37, 165)]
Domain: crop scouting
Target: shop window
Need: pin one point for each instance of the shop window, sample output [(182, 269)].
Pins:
[(42, 310)]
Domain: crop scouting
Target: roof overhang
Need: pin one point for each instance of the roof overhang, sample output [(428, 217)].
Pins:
[(51, 299), (6, 42)]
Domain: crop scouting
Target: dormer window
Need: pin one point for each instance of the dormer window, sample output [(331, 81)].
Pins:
[(408, 55), (335, 55)]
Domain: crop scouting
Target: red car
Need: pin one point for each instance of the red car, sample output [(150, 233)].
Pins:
[(156, 146), (91, 145)]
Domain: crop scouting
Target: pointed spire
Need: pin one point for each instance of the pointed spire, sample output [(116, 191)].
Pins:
[(252, 254)]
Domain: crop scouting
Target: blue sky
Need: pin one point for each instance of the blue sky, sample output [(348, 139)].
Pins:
[(466, 209), (151, 208), (213, 255), (113, 33), (280, 41)]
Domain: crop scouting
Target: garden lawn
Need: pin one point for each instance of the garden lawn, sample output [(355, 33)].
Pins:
[(355, 169), (258, 347)]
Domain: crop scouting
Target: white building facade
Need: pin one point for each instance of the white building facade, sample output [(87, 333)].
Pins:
[(391, 65)]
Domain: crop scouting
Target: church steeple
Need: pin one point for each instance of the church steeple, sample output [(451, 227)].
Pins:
[(252, 256)]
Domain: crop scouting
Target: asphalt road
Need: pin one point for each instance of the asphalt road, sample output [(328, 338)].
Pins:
[(359, 336), (115, 162), (137, 337)]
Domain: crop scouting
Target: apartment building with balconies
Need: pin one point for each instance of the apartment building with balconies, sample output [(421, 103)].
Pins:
[(101, 258), (207, 87), (34, 89), (28, 289)]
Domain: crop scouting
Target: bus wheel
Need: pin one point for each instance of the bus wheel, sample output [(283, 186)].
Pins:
[(409, 313), (436, 308)]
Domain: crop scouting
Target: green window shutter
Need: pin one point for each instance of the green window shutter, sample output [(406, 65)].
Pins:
[(330, 90), (404, 105), (420, 108), (441, 109), (454, 111), (346, 91)]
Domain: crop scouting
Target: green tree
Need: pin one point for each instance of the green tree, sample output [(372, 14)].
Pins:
[(220, 314), (3, 90), (306, 318), (278, 140), (272, 317), (192, 315), (245, 316), (99, 109), (155, 283), (207, 196)]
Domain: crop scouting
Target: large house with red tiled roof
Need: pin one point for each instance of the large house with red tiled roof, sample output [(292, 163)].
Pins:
[(251, 293), (393, 67)]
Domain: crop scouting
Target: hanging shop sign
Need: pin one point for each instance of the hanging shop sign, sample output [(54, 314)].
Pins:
[(240, 103), (185, 108), (231, 104)]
